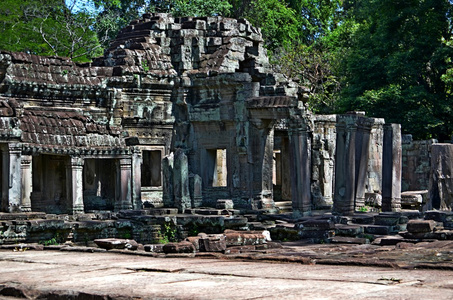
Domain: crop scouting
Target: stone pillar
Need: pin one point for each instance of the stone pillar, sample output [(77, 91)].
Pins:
[(74, 183), (267, 201), (181, 181), (167, 183), (300, 154), (27, 183), (124, 200), (361, 164), (196, 190), (345, 169), (136, 180), (286, 170), (441, 181), (391, 168), (14, 176)]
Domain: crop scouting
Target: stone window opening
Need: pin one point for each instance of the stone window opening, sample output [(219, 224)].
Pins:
[(151, 168)]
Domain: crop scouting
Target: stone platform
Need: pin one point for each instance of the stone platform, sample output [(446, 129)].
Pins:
[(107, 275)]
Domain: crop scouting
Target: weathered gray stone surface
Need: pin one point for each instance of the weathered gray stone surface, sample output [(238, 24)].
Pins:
[(441, 181), (60, 275), (391, 168), (416, 166)]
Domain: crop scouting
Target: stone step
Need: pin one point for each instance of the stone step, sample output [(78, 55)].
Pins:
[(348, 230), (284, 206)]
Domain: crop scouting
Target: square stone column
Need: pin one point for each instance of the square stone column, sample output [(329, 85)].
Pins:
[(14, 177), (27, 183), (137, 179), (300, 157), (124, 197), (391, 168), (181, 181), (345, 170), (167, 182), (74, 181), (362, 157)]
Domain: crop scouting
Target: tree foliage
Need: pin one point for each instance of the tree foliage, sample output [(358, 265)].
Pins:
[(47, 28), (395, 61)]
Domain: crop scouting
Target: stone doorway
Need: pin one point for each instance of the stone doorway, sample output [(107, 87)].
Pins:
[(99, 184), (49, 192)]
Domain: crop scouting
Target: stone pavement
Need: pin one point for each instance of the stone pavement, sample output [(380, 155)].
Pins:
[(110, 275)]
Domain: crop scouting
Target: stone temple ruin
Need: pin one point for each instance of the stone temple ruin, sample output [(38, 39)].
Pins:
[(185, 113)]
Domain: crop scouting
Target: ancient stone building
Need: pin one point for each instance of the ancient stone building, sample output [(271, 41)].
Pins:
[(179, 112)]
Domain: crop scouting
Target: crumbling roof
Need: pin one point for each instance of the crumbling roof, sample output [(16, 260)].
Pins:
[(66, 128)]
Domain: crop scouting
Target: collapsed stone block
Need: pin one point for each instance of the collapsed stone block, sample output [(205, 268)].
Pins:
[(112, 243), (239, 238), (181, 247), (420, 226), (212, 243)]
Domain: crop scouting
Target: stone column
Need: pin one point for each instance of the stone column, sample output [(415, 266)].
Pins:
[(181, 181), (195, 182), (137, 179), (441, 181), (27, 183), (391, 168), (75, 184), (362, 155), (345, 184), (14, 176), (167, 183), (124, 199), (300, 154), (286, 170)]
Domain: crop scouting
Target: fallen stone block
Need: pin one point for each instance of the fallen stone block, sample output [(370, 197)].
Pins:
[(239, 238), (316, 224), (212, 243), (363, 219), (155, 248), (373, 199), (240, 249), (411, 199), (419, 226), (390, 240), (269, 245), (377, 229), (195, 240), (439, 216), (181, 247), (348, 230), (390, 219), (112, 243)]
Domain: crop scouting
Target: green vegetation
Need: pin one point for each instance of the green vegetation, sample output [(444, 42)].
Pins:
[(389, 58), (168, 234), (56, 240)]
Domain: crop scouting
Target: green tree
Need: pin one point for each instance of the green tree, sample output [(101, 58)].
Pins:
[(200, 8), (47, 29), (394, 63)]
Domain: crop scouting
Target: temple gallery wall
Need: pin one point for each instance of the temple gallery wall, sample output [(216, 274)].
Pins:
[(183, 112)]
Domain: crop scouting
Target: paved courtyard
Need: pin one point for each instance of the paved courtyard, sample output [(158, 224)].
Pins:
[(75, 275)]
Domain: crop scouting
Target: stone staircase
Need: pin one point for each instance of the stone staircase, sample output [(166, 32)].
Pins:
[(284, 206)]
